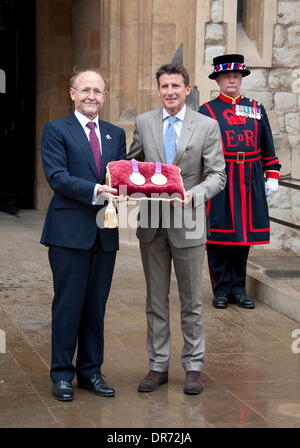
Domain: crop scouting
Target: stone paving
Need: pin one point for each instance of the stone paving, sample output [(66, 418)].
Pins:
[(251, 374)]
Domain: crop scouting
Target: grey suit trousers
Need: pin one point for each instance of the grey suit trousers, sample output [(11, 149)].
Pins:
[(157, 259)]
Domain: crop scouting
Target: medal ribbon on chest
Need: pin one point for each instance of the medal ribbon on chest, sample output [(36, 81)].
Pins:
[(242, 110)]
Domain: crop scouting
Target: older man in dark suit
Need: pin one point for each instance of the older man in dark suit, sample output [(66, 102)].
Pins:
[(75, 152)]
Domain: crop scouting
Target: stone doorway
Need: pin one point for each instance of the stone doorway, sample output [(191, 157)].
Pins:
[(17, 104)]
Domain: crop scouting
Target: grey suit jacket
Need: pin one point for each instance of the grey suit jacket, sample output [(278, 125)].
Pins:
[(199, 156)]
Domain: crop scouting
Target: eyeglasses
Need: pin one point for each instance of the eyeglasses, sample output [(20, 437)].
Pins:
[(87, 92)]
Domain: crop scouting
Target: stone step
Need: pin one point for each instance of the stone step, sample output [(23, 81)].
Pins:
[(273, 277)]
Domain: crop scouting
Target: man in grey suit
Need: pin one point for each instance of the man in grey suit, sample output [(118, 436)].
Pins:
[(192, 142)]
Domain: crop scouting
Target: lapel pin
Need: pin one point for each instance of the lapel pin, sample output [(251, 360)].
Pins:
[(108, 137)]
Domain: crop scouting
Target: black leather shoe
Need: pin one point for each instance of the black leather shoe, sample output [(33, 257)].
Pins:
[(63, 391), (97, 385), (243, 301), (220, 301)]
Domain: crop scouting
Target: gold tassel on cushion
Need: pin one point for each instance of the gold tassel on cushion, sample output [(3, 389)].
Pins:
[(110, 215)]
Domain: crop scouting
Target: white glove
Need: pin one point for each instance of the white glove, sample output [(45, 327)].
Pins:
[(271, 186)]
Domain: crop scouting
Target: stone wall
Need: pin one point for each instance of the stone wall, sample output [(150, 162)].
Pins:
[(137, 37), (277, 86), (284, 85), (64, 41), (53, 65), (130, 39), (127, 39)]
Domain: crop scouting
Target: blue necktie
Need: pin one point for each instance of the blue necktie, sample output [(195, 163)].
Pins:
[(170, 140)]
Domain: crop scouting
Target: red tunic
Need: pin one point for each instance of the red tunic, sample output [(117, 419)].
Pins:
[(239, 214)]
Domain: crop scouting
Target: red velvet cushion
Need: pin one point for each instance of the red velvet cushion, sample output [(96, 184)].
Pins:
[(118, 173)]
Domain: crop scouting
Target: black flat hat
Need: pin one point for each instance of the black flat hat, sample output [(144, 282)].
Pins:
[(229, 63)]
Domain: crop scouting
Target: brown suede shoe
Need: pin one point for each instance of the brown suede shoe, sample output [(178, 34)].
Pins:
[(152, 381), (193, 383)]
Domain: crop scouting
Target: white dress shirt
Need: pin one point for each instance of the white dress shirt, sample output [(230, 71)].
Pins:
[(83, 120), (178, 123)]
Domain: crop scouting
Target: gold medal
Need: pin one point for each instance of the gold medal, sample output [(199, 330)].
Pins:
[(159, 179), (136, 177)]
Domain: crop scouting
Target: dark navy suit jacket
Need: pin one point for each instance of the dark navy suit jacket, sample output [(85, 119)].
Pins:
[(71, 172)]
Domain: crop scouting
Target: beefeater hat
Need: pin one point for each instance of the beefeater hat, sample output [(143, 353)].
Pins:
[(229, 63)]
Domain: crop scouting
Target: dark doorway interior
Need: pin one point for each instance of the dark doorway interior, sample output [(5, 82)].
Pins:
[(17, 104)]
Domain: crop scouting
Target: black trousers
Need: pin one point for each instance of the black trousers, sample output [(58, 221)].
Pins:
[(81, 280), (227, 267)]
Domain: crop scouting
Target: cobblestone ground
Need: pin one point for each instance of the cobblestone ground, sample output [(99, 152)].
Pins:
[(251, 375)]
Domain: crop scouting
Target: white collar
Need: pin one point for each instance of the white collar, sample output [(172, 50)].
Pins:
[(83, 120), (180, 115)]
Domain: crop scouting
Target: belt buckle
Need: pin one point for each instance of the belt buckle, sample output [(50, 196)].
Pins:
[(240, 157)]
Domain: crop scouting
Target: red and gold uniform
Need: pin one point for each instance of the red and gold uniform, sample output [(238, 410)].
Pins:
[(238, 216)]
